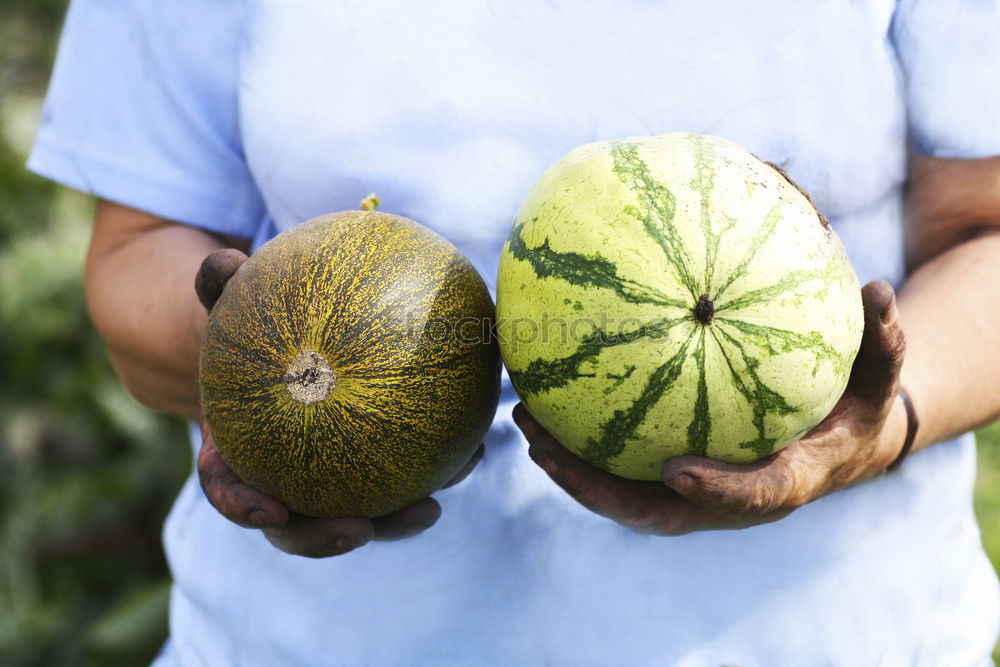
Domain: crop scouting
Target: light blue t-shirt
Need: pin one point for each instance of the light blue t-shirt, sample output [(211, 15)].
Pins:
[(249, 117)]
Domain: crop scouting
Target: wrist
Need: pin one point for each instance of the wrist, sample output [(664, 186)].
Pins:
[(891, 438), (912, 423), (897, 435)]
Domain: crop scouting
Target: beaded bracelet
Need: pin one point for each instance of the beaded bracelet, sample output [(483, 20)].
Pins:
[(911, 430)]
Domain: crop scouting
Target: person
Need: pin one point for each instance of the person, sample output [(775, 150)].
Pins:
[(206, 126)]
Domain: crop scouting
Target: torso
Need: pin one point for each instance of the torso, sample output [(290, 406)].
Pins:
[(449, 112)]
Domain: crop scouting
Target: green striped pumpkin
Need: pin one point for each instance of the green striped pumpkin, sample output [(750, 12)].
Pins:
[(343, 371), (671, 295)]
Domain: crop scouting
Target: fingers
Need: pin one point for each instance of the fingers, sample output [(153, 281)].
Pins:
[(407, 522), (296, 534), (698, 493), (649, 508), (467, 468), (320, 538), (754, 490), (593, 488), (875, 376), (216, 270), (233, 499)]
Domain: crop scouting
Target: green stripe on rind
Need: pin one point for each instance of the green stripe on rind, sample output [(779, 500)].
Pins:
[(543, 375), (784, 286), (704, 183), (761, 398), (758, 241), (656, 213), (701, 422), (776, 341), (583, 270), (623, 424), (677, 195)]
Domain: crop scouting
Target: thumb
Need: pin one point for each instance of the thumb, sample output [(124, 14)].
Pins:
[(875, 375), (234, 499), (467, 468), (215, 271)]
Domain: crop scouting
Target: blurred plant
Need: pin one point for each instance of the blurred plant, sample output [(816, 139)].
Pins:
[(86, 475), (987, 498)]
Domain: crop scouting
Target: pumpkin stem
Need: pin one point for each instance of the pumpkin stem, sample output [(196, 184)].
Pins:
[(704, 310), (370, 203), (309, 377)]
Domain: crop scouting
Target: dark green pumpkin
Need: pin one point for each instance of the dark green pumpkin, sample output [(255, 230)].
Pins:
[(347, 368)]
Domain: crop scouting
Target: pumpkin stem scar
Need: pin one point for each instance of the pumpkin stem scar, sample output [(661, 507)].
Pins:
[(309, 377), (704, 310)]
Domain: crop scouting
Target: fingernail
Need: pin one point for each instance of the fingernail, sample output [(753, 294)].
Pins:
[(528, 428), (682, 482), (543, 459), (345, 544), (888, 312), (524, 421), (259, 519), (415, 529)]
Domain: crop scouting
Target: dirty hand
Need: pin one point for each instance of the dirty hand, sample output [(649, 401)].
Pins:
[(858, 439), (291, 532)]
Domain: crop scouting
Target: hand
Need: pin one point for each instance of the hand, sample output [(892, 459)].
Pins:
[(293, 533), (303, 535), (857, 440)]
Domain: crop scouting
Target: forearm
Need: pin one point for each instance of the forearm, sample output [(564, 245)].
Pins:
[(950, 303), (951, 314), (139, 283)]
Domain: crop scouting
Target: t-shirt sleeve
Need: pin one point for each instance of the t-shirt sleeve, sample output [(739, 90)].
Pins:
[(949, 51), (142, 109)]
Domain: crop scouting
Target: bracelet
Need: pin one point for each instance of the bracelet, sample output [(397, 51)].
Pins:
[(911, 430)]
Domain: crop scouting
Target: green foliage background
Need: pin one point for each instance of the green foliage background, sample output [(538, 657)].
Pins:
[(86, 475)]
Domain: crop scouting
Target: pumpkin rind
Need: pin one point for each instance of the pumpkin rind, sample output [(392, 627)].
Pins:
[(396, 313)]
